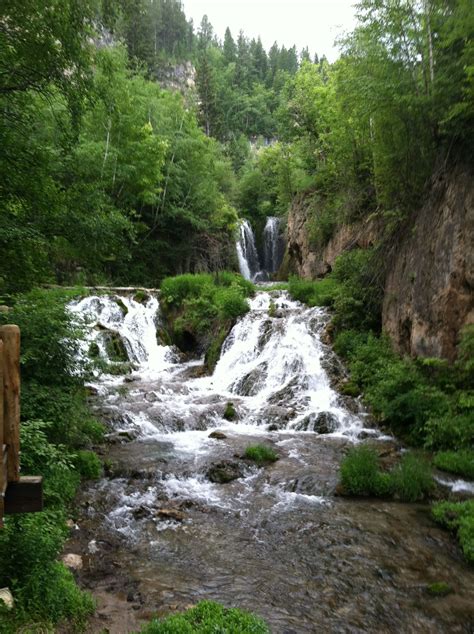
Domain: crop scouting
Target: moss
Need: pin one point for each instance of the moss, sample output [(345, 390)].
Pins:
[(141, 296), (229, 412), (261, 454), (349, 389), (115, 347), (439, 589)]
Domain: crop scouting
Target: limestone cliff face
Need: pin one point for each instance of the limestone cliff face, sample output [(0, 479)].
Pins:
[(308, 261), (429, 292)]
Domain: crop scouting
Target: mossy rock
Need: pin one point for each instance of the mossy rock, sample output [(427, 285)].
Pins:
[(141, 297), (349, 389), (94, 350), (115, 347), (439, 589), (230, 412)]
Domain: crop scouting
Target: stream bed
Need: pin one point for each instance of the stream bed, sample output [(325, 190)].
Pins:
[(162, 530)]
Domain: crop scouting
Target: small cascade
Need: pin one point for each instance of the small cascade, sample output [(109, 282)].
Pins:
[(127, 325), (249, 263), (273, 245)]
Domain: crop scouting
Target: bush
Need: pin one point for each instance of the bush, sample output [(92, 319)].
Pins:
[(459, 462), (200, 308), (453, 431), (261, 454), (313, 293), (360, 474), (206, 618), (459, 518), (88, 464), (411, 479)]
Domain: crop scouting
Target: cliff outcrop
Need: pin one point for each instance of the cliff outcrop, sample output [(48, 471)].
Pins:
[(307, 260), (429, 290)]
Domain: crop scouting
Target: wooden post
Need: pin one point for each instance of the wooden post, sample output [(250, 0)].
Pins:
[(3, 471), (10, 336)]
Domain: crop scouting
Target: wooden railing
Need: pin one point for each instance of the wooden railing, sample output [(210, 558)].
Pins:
[(17, 494)]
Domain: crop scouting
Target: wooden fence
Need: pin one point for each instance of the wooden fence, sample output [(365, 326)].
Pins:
[(18, 494)]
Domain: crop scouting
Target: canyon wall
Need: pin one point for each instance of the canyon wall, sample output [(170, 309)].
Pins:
[(429, 287)]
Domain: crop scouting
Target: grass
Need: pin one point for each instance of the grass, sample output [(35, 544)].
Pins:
[(313, 293), (439, 589), (458, 517), (361, 475), (208, 618), (458, 462), (261, 454)]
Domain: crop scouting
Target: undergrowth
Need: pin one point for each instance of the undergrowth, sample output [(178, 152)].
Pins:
[(208, 618), (201, 308), (57, 434)]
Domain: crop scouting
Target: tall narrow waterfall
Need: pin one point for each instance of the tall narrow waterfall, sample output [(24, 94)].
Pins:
[(249, 263), (273, 245)]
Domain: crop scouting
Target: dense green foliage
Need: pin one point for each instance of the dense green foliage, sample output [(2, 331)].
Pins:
[(201, 309), (261, 454), (459, 462), (56, 424), (409, 481), (459, 518), (208, 617)]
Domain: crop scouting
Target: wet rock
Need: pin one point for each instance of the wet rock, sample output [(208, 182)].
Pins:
[(171, 514), (141, 512), (225, 471), (130, 379), (278, 417), (322, 423), (251, 383), (217, 435), (72, 561)]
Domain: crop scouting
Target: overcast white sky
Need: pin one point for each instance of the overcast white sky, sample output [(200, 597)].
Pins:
[(313, 23)]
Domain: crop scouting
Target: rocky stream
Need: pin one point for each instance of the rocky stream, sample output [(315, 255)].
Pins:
[(181, 515)]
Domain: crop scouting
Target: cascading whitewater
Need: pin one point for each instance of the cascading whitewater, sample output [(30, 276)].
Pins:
[(270, 363), (132, 321), (273, 245), (249, 263)]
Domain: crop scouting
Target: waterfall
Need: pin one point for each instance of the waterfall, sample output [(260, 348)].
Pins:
[(123, 319), (249, 263), (273, 245), (273, 249)]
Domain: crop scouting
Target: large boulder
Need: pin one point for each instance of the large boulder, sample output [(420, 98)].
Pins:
[(322, 423)]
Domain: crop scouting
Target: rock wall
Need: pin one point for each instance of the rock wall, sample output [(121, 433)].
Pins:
[(429, 292), (308, 261)]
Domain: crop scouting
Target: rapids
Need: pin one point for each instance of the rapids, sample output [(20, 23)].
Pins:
[(158, 533)]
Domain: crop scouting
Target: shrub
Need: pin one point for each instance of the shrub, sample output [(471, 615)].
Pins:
[(452, 431), (360, 474), (198, 306), (261, 454), (411, 479), (459, 518), (459, 462), (313, 293), (88, 464), (206, 618)]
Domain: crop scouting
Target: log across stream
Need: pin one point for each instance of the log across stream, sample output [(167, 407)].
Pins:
[(162, 531)]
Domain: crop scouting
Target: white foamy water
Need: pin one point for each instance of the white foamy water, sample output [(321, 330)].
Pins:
[(135, 324), (271, 368)]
